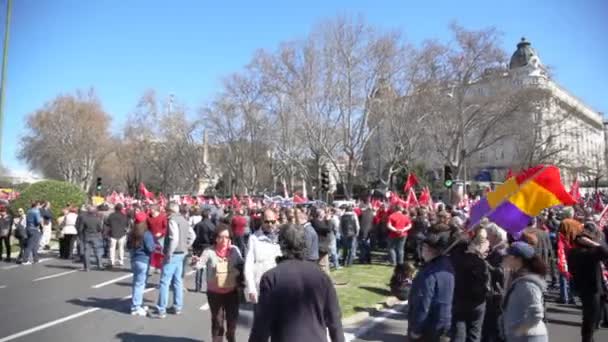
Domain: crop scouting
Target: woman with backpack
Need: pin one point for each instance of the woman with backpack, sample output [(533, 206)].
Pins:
[(523, 306)]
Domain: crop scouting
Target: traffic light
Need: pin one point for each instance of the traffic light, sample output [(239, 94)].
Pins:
[(448, 178), (325, 180), (98, 186)]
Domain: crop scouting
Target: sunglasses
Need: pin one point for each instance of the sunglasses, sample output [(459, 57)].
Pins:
[(270, 221)]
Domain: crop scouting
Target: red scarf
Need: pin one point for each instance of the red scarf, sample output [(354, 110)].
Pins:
[(222, 252)]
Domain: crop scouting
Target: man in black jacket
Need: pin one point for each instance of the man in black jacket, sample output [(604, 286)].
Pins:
[(323, 229), (205, 237), (365, 223), (89, 230), (584, 263), (298, 302), (117, 224), (6, 225)]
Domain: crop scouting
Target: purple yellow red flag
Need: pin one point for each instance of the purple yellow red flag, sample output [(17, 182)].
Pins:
[(512, 204)]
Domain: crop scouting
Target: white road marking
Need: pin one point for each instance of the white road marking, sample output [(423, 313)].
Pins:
[(126, 276), (205, 307), (55, 275), (47, 325), (44, 260), (2, 286), (58, 321), (384, 314), (10, 267)]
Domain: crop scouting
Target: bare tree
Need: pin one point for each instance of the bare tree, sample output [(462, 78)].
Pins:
[(67, 138)]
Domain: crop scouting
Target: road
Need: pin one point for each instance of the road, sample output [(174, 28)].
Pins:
[(54, 301)]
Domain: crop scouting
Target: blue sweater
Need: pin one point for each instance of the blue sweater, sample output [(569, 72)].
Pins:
[(142, 254), (430, 300)]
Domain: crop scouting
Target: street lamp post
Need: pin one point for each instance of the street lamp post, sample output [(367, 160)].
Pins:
[(7, 25)]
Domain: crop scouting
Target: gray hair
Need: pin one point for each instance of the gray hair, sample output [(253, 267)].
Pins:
[(568, 212), (496, 231)]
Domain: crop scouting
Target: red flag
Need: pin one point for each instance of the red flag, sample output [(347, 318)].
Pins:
[(144, 192), (297, 199), (162, 201), (412, 181), (575, 191), (425, 197), (411, 200), (598, 206), (235, 202), (509, 174)]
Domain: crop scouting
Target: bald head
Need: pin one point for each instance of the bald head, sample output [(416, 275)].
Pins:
[(270, 220)]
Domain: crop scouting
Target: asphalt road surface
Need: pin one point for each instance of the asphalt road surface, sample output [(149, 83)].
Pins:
[(55, 301)]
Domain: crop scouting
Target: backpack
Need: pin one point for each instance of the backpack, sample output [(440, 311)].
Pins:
[(348, 226)]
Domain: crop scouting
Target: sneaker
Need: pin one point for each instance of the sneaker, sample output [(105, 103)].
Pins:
[(141, 312), (157, 315), (175, 311), (26, 263)]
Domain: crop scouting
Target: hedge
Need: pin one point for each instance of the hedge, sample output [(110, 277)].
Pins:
[(57, 192)]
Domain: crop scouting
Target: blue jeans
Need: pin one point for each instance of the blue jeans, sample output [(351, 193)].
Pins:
[(31, 246), (139, 269), (334, 259), (365, 251), (396, 249), (349, 249), (171, 275)]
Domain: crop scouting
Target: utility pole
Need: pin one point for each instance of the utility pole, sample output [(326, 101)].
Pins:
[(7, 25)]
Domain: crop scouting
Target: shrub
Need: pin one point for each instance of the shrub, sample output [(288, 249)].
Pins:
[(56, 192)]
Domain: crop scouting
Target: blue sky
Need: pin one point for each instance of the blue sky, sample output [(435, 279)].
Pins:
[(185, 47)]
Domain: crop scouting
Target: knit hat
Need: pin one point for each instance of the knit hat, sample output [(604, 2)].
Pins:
[(522, 250)]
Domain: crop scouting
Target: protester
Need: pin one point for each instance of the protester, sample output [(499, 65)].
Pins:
[(569, 229), (240, 229), (323, 229), (312, 239), (20, 232), (585, 265), (398, 226), (141, 245), (195, 216), (471, 283), (157, 224), (33, 222), (262, 255), (497, 237), (179, 238), (46, 226), (205, 238), (69, 233), (349, 230), (335, 236), (431, 295), (363, 240), (222, 263), (117, 224), (6, 227), (298, 302), (90, 229), (523, 306)]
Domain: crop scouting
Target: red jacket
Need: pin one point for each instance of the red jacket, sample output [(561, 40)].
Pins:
[(158, 225)]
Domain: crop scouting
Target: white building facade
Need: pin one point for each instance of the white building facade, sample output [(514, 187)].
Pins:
[(563, 130)]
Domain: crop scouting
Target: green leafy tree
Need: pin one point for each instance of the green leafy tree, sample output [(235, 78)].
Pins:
[(58, 193)]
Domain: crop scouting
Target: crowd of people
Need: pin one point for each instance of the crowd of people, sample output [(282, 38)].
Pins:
[(462, 283)]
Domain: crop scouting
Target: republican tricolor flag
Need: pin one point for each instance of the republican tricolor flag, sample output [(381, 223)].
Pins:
[(514, 203)]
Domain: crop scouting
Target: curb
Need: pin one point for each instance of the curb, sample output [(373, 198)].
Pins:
[(359, 317)]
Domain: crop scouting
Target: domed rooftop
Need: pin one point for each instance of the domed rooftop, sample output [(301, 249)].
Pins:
[(522, 56)]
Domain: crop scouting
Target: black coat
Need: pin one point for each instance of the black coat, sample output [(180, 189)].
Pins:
[(298, 303), (89, 226), (471, 281), (324, 231), (584, 265), (205, 235), (117, 224), (365, 223)]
